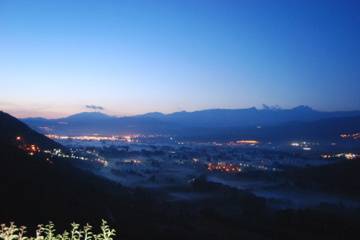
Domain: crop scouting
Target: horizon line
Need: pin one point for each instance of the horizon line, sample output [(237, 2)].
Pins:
[(265, 107)]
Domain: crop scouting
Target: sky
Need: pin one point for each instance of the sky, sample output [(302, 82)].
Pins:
[(132, 57)]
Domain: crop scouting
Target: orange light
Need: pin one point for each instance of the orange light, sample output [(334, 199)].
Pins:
[(251, 142), (223, 167)]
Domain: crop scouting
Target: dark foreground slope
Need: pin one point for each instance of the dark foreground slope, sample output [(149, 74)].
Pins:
[(10, 128), (34, 191), (341, 178)]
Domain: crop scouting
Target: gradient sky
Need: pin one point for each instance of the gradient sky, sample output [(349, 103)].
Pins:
[(140, 56)]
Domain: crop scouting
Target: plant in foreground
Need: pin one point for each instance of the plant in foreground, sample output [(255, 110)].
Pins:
[(48, 232)]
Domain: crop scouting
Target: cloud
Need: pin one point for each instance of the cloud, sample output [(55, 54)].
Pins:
[(94, 107)]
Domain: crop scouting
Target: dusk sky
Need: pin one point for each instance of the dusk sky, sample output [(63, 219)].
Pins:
[(132, 57)]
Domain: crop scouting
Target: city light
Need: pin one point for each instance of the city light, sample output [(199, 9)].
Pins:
[(126, 138), (305, 146), (132, 161), (224, 167), (348, 156), (354, 136), (244, 142), (247, 142)]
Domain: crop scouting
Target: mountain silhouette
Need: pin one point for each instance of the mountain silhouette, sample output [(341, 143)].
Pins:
[(87, 116), (250, 116), (35, 190), (184, 123)]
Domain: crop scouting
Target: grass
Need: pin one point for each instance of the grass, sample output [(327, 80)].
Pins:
[(48, 232)]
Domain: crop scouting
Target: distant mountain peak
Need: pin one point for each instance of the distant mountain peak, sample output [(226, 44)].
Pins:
[(271, 108), (153, 115), (303, 108)]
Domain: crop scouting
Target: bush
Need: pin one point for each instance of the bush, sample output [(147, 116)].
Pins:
[(48, 232)]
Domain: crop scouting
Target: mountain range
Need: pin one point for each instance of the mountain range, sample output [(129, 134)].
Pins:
[(261, 123), (265, 123), (246, 117)]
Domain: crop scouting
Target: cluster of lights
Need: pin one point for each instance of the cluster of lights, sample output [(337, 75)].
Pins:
[(103, 162), (245, 142), (59, 153), (127, 138), (348, 156), (224, 167), (217, 144), (30, 149), (355, 136), (259, 167), (83, 138), (132, 161), (196, 160), (304, 145)]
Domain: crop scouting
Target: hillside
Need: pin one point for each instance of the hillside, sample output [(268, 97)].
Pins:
[(35, 190), (340, 178), (11, 128)]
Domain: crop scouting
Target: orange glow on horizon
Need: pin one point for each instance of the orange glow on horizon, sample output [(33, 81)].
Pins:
[(247, 142)]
